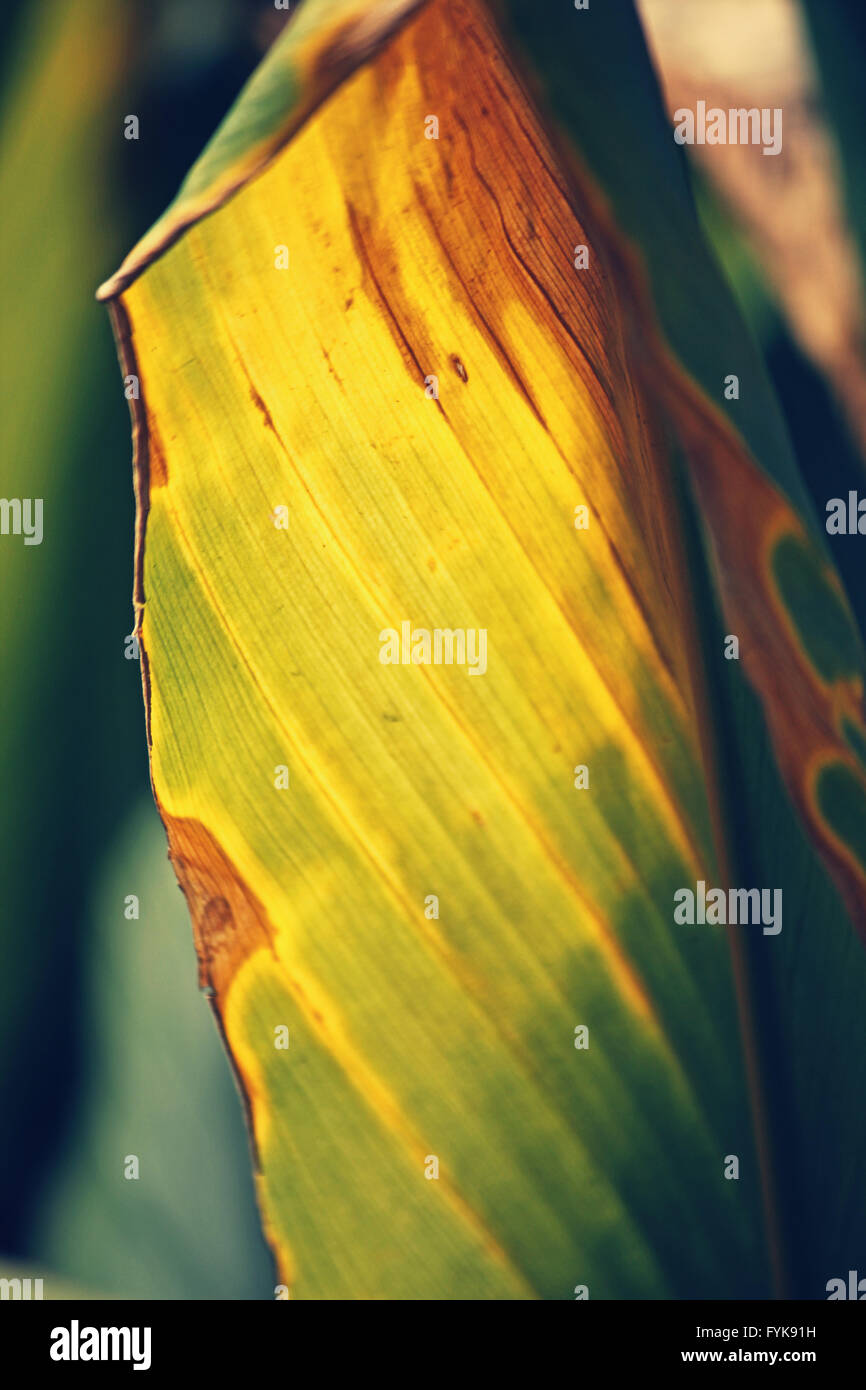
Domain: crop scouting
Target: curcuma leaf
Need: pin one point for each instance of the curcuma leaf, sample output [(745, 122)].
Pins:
[(408, 395)]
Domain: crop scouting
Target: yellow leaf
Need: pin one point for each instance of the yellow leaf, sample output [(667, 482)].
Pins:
[(376, 391)]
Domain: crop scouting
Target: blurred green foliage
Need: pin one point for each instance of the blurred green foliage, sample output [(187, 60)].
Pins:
[(156, 1086), (72, 743)]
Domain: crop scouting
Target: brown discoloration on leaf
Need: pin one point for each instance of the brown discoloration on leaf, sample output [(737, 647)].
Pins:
[(398, 316), (357, 39), (805, 729), (229, 925), (142, 445), (318, 63), (260, 406), (477, 215), (157, 466), (229, 922)]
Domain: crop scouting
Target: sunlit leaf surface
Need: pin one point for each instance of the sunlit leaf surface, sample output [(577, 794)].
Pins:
[(380, 387)]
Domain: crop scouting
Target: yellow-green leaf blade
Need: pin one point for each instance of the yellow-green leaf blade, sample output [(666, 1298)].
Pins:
[(450, 1037)]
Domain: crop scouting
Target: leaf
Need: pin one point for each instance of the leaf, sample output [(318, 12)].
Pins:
[(59, 734), (790, 206), (325, 41), (781, 593), (414, 1037), (838, 36), (807, 1000)]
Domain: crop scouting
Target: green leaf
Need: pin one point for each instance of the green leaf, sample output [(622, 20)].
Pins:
[(62, 612), (432, 1128)]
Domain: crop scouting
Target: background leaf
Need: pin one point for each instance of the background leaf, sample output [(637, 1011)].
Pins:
[(72, 743), (68, 691)]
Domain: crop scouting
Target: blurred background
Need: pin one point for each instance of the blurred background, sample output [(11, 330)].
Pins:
[(107, 1049)]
